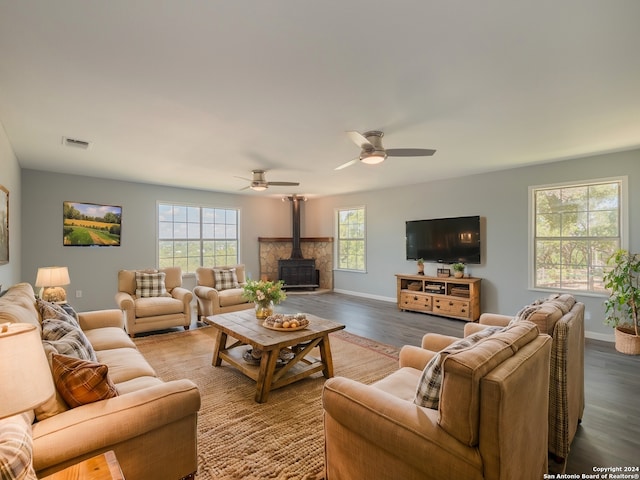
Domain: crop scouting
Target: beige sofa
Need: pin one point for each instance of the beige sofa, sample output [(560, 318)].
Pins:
[(150, 424), (562, 317), (213, 300), (491, 422), (158, 311)]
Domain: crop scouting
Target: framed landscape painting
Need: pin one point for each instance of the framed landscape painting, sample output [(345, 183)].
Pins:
[(91, 225), (4, 225)]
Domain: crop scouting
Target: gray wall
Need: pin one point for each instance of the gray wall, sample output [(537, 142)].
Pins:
[(501, 199), (10, 273), (94, 269)]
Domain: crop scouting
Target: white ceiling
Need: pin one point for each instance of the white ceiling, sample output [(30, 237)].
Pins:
[(195, 93)]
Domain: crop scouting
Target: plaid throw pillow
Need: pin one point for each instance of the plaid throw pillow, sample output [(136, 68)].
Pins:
[(226, 279), (150, 284), (428, 392), (50, 310), (16, 449), (80, 381), (67, 339)]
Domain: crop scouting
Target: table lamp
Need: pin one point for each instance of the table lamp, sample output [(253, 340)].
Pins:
[(22, 358), (52, 279)]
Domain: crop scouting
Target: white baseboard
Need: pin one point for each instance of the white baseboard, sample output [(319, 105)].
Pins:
[(600, 336), (366, 295)]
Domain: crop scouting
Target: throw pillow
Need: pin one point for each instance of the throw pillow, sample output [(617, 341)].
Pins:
[(50, 310), (150, 284), (80, 381), (428, 392), (66, 339), (545, 312), (16, 449), (226, 279)]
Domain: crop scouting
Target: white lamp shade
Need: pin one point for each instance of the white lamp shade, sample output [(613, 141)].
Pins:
[(25, 376), (52, 277)]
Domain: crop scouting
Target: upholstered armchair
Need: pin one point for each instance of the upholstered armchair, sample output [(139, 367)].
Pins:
[(153, 300), (490, 422), (563, 318), (219, 290)]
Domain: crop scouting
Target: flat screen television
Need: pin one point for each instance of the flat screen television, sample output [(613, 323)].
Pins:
[(444, 240)]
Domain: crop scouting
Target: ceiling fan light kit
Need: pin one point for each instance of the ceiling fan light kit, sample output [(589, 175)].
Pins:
[(373, 158)]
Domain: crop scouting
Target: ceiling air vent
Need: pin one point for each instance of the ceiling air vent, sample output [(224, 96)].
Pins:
[(74, 142)]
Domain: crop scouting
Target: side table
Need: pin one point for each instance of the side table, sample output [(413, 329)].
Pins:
[(100, 467)]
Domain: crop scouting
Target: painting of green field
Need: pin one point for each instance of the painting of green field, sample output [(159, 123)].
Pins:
[(91, 225)]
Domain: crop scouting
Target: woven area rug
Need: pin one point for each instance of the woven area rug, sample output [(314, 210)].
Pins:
[(241, 439)]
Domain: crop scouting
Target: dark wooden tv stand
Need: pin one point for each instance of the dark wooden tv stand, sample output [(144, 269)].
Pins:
[(445, 296)]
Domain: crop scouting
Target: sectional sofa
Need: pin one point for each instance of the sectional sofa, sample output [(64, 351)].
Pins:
[(149, 423)]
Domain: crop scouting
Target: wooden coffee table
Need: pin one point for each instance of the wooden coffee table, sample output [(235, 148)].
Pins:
[(272, 373)]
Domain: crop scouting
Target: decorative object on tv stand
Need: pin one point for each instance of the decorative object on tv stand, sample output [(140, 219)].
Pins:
[(420, 263), (22, 357), (52, 280), (621, 308), (264, 294), (443, 272), (458, 269)]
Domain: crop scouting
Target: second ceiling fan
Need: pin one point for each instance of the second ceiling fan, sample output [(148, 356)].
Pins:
[(259, 182), (373, 152)]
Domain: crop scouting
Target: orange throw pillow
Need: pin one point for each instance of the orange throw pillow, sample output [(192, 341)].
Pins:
[(81, 381)]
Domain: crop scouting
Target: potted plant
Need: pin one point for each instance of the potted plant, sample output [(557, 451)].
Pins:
[(621, 308), (420, 266), (264, 294), (458, 269)]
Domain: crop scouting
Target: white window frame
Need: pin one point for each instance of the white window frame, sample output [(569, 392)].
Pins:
[(623, 212), (217, 260), (338, 211)]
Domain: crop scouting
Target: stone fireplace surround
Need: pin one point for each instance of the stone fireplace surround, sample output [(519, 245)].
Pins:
[(273, 249)]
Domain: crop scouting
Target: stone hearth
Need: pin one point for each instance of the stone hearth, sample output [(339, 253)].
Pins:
[(273, 249)]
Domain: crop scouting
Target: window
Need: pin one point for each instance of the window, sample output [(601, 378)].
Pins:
[(194, 236), (576, 227), (351, 239)]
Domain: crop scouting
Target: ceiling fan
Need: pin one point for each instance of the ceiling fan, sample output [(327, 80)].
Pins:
[(373, 152), (259, 182)]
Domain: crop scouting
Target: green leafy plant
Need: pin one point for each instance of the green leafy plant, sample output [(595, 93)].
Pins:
[(420, 261), (622, 281), (263, 292), (458, 267)]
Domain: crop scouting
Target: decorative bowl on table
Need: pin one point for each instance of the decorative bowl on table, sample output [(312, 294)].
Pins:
[(286, 322)]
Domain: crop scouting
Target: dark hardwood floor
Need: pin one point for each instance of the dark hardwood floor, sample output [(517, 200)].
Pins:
[(610, 429)]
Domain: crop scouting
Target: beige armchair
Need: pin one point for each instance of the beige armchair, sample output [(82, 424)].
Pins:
[(563, 318), (491, 422), (153, 300), (213, 298)]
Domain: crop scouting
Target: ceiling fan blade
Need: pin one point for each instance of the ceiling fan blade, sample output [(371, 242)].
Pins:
[(348, 164), (244, 188), (284, 184), (359, 139), (409, 152)]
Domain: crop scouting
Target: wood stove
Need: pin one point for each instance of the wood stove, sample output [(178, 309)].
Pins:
[(297, 271)]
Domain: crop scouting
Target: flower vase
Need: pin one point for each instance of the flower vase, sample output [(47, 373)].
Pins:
[(263, 310)]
